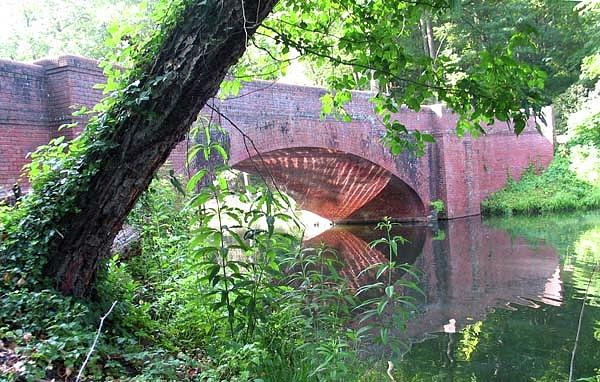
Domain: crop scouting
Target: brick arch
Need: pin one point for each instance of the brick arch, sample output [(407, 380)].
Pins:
[(338, 185), (354, 138)]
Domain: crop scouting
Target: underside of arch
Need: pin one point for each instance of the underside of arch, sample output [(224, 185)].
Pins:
[(336, 185)]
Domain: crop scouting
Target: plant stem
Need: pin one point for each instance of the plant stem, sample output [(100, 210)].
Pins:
[(89, 354)]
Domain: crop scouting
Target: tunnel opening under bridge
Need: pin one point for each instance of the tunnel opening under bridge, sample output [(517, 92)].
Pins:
[(339, 186)]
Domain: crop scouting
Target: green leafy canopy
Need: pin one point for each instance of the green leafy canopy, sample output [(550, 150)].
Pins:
[(366, 42)]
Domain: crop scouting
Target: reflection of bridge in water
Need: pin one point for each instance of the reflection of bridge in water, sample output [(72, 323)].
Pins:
[(466, 270)]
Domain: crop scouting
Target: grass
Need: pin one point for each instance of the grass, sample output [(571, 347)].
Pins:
[(557, 189)]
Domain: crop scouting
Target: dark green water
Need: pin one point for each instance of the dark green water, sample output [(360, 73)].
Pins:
[(502, 297)]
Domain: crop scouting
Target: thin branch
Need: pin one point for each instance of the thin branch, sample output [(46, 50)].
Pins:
[(246, 139), (325, 33), (587, 291), (268, 52), (301, 48), (270, 85), (245, 21), (89, 354)]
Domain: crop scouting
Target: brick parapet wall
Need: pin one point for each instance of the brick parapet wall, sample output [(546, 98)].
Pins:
[(23, 85), (37, 98), (70, 83), (23, 116)]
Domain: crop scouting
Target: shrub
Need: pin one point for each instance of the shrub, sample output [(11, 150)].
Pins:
[(556, 189)]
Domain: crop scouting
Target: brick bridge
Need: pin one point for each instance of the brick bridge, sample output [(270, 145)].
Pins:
[(336, 169)]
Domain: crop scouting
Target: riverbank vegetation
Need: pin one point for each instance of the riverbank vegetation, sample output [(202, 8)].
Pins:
[(217, 291), (572, 181), (553, 190)]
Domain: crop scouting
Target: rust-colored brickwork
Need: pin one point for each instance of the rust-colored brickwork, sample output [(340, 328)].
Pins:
[(324, 162), (339, 170)]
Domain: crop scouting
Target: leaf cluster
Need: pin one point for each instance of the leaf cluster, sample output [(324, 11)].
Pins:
[(374, 40)]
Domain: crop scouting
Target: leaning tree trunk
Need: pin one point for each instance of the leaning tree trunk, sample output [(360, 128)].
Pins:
[(208, 38)]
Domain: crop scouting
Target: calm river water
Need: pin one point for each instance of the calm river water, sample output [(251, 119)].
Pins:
[(502, 296)]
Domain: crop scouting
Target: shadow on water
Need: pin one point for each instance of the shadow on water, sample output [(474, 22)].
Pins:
[(511, 288)]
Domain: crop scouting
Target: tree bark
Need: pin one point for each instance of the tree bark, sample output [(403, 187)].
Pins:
[(423, 30), (207, 40), (428, 39)]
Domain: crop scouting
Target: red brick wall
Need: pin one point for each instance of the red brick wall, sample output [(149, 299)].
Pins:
[(357, 179), (35, 99), (501, 154), (70, 81), (23, 116)]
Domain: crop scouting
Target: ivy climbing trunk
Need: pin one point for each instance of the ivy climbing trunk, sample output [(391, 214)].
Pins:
[(191, 62)]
